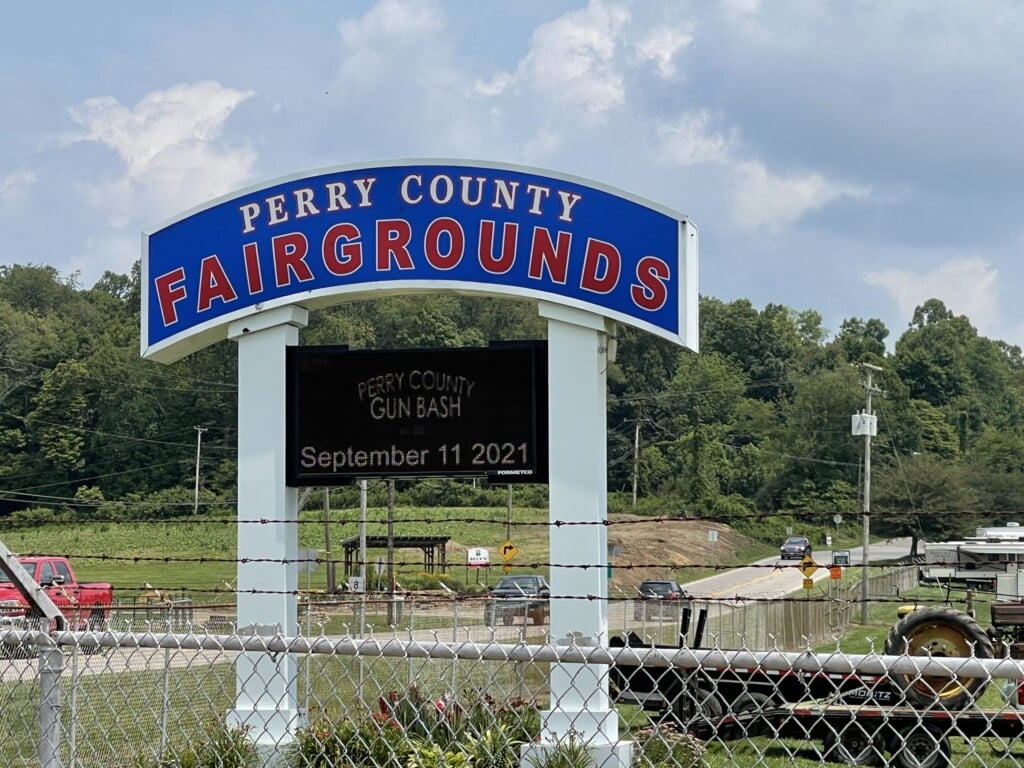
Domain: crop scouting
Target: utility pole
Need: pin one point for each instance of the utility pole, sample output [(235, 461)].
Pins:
[(866, 427), (362, 555), (392, 619), (636, 455), (199, 446), (331, 582)]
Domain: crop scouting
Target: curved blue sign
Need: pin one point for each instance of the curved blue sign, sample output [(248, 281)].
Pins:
[(354, 232)]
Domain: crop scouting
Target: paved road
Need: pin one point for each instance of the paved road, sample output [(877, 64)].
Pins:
[(772, 577)]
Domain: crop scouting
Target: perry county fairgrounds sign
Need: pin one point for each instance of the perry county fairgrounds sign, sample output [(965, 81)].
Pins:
[(417, 226)]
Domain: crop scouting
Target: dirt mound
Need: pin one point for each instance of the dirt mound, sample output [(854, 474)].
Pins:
[(646, 548), (643, 548)]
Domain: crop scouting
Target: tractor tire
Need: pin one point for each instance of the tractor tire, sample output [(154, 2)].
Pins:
[(939, 632)]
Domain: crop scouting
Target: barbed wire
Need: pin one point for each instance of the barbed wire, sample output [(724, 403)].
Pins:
[(497, 519), (533, 565), (485, 597)]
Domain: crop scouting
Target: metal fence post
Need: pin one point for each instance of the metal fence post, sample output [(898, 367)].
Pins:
[(51, 665), (165, 704)]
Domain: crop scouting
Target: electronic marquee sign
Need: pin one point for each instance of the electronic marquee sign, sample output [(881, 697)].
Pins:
[(417, 226), (417, 413)]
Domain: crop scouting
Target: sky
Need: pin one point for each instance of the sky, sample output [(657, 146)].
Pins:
[(853, 158)]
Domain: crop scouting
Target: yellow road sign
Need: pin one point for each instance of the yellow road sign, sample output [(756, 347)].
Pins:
[(808, 566), (507, 568), (808, 583), (508, 551)]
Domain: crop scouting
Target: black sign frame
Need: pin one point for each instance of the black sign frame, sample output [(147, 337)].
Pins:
[(444, 412)]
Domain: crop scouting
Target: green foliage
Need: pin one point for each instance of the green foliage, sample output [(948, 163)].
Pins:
[(758, 421), (435, 756), (219, 746), (662, 745), (431, 581), (412, 730), (568, 752), (945, 493)]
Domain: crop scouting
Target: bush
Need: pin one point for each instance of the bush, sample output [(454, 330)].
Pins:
[(662, 745), (429, 581), (220, 747), (413, 729)]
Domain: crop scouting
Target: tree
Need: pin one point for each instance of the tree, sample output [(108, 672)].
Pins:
[(59, 418), (821, 457), (925, 497), (863, 340)]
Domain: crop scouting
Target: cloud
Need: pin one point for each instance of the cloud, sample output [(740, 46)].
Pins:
[(171, 147), (573, 59), (763, 200), (660, 46), (689, 140), (759, 198), (370, 42), (14, 189), (966, 285)]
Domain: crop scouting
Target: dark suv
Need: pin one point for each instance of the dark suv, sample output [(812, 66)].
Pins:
[(523, 594), (656, 596), (795, 548)]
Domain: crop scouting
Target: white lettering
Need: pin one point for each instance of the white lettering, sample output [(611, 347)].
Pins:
[(435, 186), (364, 186), (537, 192), (505, 194), (304, 203), (275, 204), (336, 196), (249, 212), (569, 200), (406, 196), (466, 181)]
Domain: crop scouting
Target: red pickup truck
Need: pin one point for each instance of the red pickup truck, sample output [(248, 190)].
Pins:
[(85, 606)]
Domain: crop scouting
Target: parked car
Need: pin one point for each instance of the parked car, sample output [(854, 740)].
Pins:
[(795, 548), (517, 596), (656, 595)]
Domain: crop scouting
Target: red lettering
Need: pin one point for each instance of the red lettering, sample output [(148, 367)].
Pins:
[(169, 291), (289, 258), (544, 253), (253, 275), (393, 236), (456, 243), (651, 292), (503, 263), (351, 257), (213, 284), (600, 256)]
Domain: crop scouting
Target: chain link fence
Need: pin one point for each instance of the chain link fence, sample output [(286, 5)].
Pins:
[(711, 683)]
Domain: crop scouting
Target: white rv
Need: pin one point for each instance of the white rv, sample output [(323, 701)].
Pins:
[(990, 560)]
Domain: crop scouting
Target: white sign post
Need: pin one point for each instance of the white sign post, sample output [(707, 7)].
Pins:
[(266, 699)]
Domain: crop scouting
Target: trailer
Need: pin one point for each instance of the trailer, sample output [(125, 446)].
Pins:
[(864, 734), (858, 719)]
